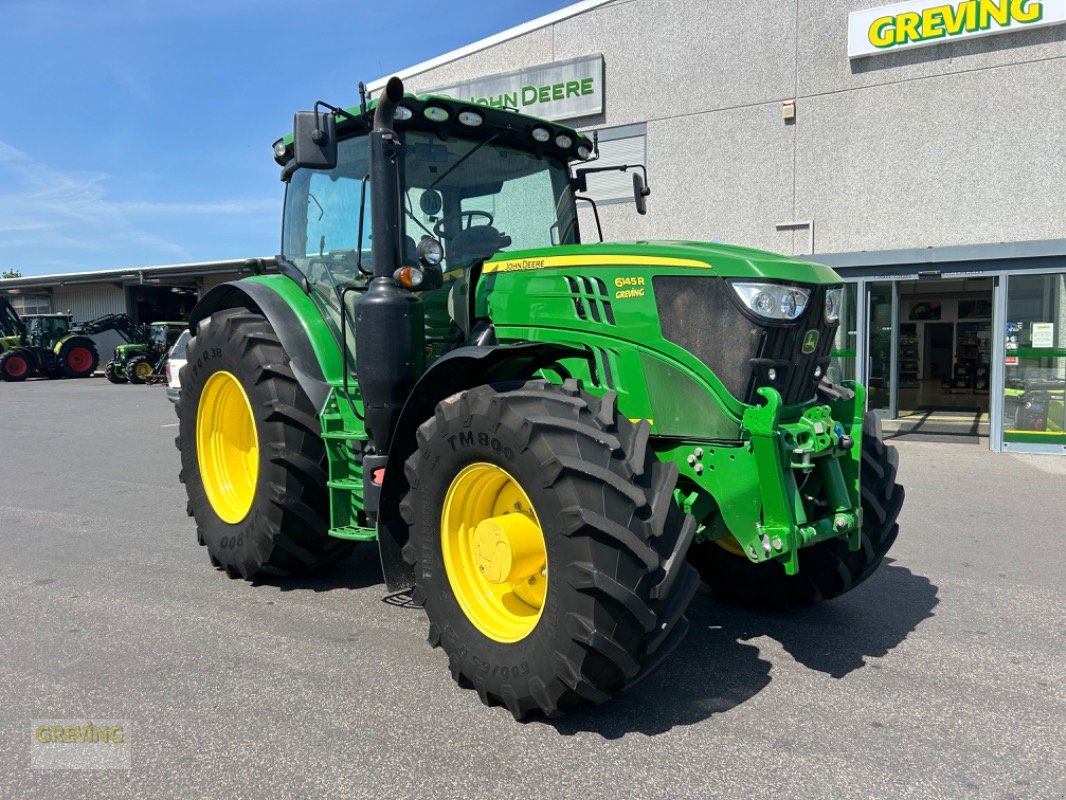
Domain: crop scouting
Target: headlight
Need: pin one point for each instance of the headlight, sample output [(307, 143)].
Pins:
[(430, 252), (833, 300), (772, 300)]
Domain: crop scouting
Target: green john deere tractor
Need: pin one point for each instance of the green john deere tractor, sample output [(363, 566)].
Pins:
[(141, 358), (550, 441), (47, 346)]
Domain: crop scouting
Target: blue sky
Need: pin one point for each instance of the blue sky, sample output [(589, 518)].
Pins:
[(137, 132)]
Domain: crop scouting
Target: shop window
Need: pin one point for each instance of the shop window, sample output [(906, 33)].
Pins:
[(624, 145), (1035, 363)]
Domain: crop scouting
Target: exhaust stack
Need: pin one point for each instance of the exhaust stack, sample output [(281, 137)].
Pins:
[(389, 318)]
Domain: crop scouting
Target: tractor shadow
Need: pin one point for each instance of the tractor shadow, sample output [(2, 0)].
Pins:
[(359, 570), (715, 669)]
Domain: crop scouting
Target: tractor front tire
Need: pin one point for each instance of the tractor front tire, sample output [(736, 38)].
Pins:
[(138, 369), (78, 359), (549, 553), (252, 457), (14, 367), (827, 569), (113, 374)]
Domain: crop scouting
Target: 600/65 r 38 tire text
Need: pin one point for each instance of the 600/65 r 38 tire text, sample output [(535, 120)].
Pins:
[(252, 457), (548, 550), (827, 569)]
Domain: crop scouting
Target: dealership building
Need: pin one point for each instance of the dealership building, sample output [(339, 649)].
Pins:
[(919, 148)]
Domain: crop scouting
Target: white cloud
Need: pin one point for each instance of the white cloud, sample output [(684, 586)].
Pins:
[(70, 217)]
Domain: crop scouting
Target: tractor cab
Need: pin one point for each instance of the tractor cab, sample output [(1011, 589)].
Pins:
[(162, 335), (44, 330), (473, 183)]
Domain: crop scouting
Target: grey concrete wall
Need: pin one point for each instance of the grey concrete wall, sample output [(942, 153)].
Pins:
[(956, 143)]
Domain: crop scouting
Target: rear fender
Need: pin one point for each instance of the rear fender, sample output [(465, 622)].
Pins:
[(456, 371), (74, 338), (314, 355)]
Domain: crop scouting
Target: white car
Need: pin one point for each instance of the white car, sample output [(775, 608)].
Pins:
[(175, 361)]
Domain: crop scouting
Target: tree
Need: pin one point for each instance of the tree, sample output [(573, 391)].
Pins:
[(11, 273)]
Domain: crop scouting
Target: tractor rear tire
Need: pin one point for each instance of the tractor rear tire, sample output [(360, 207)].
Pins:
[(138, 369), (608, 605), (113, 374), (78, 359), (14, 367), (827, 569), (255, 415)]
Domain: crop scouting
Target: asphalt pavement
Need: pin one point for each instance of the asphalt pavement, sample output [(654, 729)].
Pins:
[(941, 677)]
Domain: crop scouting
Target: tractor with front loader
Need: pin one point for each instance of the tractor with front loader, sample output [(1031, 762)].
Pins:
[(49, 346), (550, 441), (145, 355)]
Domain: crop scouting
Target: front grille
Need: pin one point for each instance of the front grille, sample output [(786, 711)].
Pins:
[(591, 299), (704, 316)]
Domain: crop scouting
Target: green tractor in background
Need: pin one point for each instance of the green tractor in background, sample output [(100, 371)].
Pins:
[(49, 345), (550, 441), (141, 358)]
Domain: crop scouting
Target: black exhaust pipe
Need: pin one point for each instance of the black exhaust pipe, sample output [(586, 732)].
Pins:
[(389, 318)]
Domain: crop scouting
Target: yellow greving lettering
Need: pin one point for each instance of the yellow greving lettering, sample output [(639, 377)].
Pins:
[(882, 32), (961, 18), (1026, 10), (988, 11), (907, 25), (952, 19), (933, 23)]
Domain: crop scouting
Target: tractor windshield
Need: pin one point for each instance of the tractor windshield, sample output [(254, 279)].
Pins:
[(158, 335), (476, 197), (46, 331)]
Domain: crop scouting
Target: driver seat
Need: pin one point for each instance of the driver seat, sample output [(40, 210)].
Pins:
[(476, 243)]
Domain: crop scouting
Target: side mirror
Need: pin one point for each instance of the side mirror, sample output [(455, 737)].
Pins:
[(315, 139), (640, 192)]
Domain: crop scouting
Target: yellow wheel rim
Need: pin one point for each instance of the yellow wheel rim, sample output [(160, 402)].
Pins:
[(143, 370), (494, 552), (227, 447), (730, 545)]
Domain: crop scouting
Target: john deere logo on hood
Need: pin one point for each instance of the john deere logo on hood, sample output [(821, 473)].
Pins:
[(810, 342)]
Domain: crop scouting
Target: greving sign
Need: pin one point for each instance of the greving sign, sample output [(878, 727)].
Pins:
[(920, 23)]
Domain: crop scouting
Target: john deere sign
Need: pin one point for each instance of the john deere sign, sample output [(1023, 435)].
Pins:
[(927, 22), (561, 90)]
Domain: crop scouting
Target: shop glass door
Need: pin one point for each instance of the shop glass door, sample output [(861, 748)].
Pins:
[(1034, 371), (882, 320)]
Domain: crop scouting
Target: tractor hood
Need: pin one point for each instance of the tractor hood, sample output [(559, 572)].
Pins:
[(721, 260)]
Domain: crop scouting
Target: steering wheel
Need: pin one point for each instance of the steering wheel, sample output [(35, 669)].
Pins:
[(469, 216)]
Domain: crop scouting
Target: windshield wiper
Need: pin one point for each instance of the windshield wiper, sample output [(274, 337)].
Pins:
[(467, 155)]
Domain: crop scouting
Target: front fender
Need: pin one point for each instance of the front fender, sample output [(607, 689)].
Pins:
[(463, 368)]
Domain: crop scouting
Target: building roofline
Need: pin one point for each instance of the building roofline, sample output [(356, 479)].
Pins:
[(127, 274), (952, 254), (490, 41)]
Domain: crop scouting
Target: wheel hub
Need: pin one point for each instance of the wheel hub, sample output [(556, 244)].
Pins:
[(508, 548)]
